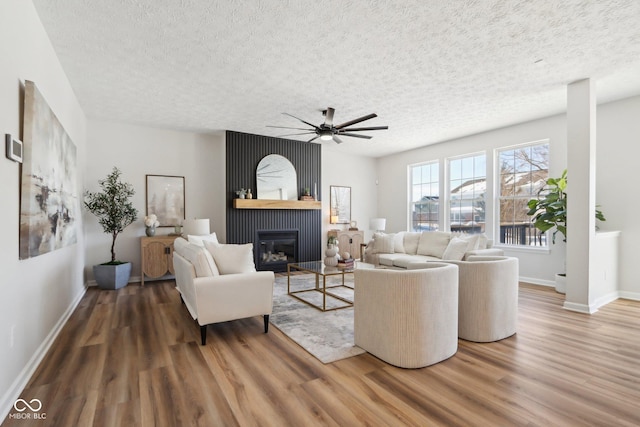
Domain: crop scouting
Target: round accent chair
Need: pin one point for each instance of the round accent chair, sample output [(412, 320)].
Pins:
[(408, 318)]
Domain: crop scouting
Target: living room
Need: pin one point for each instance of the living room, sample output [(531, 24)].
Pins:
[(40, 293)]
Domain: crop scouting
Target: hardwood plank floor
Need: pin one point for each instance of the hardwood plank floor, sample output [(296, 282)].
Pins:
[(132, 357)]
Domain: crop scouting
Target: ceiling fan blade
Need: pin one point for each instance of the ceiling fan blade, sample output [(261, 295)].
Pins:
[(337, 140), (306, 123), (292, 134), (328, 117), (355, 135), (369, 128), (313, 139), (286, 127), (353, 122)]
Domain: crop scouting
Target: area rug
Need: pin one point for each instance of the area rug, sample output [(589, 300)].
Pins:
[(326, 335)]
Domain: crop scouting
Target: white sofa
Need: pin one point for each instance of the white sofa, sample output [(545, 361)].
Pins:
[(218, 283), (407, 318), (399, 250)]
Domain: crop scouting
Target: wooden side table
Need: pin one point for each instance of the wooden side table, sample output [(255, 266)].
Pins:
[(156, 256), (348, 240)]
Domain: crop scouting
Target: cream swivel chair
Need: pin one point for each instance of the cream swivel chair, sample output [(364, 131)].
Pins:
[(228, 288), (407, 318), (488, 298)]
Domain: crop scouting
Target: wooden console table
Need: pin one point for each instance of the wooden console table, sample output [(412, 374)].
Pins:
[(156, 256)]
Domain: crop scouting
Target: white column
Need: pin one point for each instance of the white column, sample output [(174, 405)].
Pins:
[(581, 189)]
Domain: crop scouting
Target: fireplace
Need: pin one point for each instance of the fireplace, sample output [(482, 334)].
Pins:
[(275, 249)]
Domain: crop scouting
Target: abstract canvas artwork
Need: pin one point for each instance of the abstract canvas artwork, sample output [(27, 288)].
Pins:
[(49, 206), (165, 199)]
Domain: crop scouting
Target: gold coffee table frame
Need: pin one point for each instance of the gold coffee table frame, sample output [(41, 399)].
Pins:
[(319, 269)]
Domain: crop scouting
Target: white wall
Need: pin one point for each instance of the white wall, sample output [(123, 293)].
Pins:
[(618, 151), (356, 172), (37, 294), (138, 151), (617, 160)]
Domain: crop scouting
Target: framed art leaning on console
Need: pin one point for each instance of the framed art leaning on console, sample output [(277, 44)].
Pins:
[(165, 199)]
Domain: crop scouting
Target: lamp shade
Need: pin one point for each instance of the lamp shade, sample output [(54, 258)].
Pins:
[(334, 219), (377, 224), (196, 227)]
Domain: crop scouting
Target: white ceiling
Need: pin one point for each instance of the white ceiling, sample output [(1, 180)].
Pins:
[(432, 70)]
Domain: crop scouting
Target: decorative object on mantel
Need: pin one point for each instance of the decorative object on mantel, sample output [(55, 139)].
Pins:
[(150, 224), (49, 207), (165, 199), (307, 194), (249, 194), (331, 253), (115, 212), (241, 193), (276, 178)]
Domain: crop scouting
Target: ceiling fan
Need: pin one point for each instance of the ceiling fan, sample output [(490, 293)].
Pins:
[(327, 131)]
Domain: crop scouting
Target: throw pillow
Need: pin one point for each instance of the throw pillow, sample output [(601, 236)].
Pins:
[(433, 243), (199, 240), (455, 249), (411, 240), (232, 259), (482, 241), (383, 243), (398, 243), (472, 241), (198, 256)]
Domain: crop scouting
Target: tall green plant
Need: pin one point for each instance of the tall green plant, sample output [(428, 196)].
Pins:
[(112, 206), (549, 209)]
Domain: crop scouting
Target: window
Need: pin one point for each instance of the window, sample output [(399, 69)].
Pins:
[(468, 186), (425, 196), (523, 172)]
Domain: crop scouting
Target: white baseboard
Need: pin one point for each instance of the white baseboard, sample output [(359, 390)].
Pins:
[(535, 281), (580, 308), (635, 296), (9, 398)]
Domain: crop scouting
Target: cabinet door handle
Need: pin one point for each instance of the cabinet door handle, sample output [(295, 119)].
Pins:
[(167, 250)]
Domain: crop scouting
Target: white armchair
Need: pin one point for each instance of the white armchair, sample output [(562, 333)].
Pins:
[(212, 297), (488, 298), (407, 318)]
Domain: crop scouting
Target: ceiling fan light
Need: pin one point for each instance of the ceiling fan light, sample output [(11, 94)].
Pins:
[(326, 136)]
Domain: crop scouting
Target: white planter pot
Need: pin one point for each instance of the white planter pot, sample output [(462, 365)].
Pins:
[(561, 283)]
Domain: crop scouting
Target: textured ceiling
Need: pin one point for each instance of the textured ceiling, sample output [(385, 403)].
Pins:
[(432, 70)]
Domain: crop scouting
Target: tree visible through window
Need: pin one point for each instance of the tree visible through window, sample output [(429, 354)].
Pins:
[(523, 172), (468, 186), (425, 200)]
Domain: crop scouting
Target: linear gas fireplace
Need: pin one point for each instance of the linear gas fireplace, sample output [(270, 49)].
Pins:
[(275, 249)]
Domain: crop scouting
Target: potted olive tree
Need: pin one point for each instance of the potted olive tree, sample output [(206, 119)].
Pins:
[(114, 210), (549, 212)]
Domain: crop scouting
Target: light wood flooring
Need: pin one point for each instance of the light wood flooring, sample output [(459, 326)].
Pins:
[(132, 358)]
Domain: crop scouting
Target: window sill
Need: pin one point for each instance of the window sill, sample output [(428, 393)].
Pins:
[(527, 249)]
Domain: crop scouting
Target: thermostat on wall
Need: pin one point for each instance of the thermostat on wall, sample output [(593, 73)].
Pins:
[(14, 148)]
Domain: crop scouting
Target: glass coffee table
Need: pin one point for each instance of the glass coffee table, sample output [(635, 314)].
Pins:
[(322, 271)]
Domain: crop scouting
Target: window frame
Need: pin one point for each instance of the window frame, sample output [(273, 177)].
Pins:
[(446, 217), (411, 203), (498, 198)]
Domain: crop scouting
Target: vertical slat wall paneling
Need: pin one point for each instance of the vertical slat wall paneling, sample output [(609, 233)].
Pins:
[(243, 152)]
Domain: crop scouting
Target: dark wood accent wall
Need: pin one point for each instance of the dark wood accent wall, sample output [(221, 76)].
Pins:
[(243, 152)]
